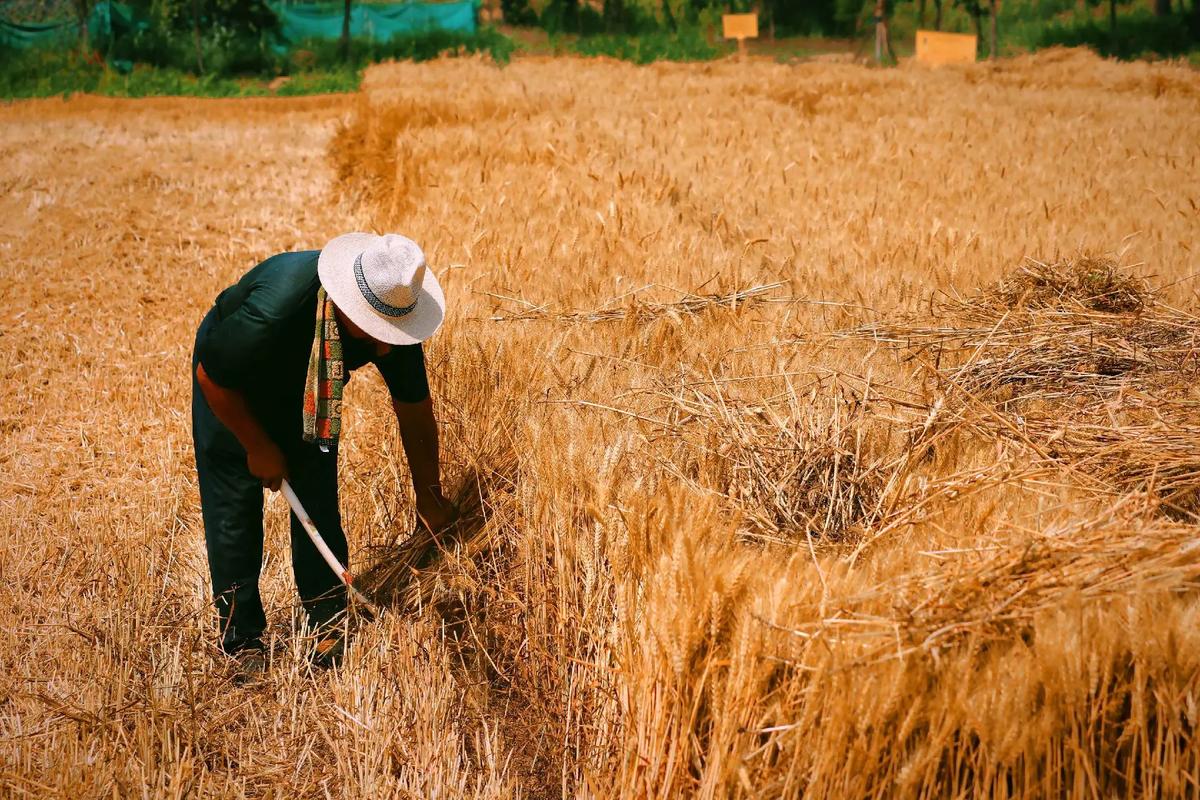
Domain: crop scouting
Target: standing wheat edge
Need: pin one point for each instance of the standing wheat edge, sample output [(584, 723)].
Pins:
[(271, 360)]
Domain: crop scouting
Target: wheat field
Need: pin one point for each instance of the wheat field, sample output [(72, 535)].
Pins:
[(827, 432)]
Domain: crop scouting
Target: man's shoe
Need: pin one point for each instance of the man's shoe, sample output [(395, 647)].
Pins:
[(328, 651), (251, 666)]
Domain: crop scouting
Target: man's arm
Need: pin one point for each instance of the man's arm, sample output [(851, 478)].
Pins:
[(419, 435), (263, 457)]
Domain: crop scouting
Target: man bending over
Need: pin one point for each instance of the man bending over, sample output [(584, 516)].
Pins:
[(270, 364)]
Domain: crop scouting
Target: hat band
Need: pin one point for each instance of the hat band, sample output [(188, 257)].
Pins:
[(376, 303)]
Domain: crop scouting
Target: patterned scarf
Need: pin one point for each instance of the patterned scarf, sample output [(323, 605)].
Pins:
[(326, 378)]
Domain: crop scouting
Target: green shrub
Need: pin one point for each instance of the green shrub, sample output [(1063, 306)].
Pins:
[(331, 82), (687, 44), (326, 54), (518, 12), (46, 73), (313, 67), (1138, 34), (224, 51), (235, 36), (40, 72)]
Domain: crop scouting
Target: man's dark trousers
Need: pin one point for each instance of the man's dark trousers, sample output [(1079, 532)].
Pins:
[(231, 501)]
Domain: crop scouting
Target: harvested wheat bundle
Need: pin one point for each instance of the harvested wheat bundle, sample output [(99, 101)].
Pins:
[(481, 468), (407, 575), (690, 305), (1156, 457), (1080, 327), (1093, 558), (1085, 354), (1053, 353), (788, 467), (1095, 283), (1079, 360)]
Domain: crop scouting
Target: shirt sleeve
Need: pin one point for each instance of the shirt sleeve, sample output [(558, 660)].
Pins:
[(237, 344), (403, 371)]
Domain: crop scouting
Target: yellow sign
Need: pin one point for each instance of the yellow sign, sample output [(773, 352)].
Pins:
[(740, 26), (937, 48)]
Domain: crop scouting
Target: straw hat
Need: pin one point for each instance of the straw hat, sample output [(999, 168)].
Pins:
[(381, 283)]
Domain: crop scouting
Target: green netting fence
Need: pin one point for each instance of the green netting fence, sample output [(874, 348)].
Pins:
[(107, 19), (376, 22), (296, 22)]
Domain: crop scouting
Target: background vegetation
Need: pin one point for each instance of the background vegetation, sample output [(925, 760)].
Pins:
[(153, 64), (232, 47)]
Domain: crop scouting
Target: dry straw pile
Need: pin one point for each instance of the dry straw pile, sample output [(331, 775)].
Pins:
[(823, 431)]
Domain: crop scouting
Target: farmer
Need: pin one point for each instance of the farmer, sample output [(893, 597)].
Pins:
[(271, 360)]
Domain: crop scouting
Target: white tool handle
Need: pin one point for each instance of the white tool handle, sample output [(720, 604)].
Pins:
[(343, 574)]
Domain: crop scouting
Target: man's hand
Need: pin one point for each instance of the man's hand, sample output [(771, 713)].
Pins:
[(419, 434), (436, 512), (263, 457), (266, 462)]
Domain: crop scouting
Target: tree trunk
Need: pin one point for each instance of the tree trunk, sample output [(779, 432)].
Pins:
[(346, 31), (668, 17), (1112, 16), (937, 15), (883, 44), (993, 50), (81, 14), (880, 30), (196, 37), (613, 12), (921, 14), (976, 14), (1162, 8)]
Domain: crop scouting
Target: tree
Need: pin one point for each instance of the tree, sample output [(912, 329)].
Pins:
[(83, 13), (766, 10), (1162, 8), (613, 12), (1112, 14), (517, 12), (937, 15), (561, 15), (883, 43), (975, 9), (992, 36), (345, 43), (668, 15), (196, 37)]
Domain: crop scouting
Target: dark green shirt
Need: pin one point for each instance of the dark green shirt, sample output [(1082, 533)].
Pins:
[(260, 334)]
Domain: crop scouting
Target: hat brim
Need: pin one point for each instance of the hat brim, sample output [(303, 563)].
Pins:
[(335, 268)]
